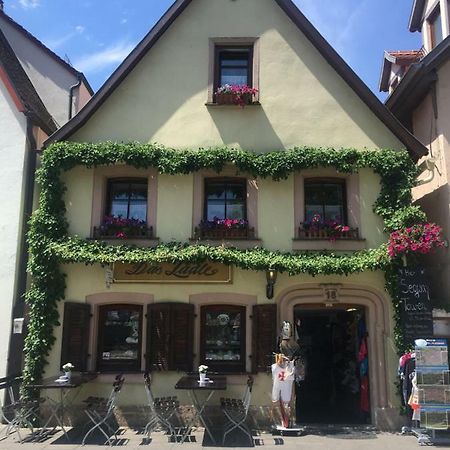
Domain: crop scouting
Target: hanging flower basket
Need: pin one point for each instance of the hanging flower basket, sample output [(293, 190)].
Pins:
[(418, 239)]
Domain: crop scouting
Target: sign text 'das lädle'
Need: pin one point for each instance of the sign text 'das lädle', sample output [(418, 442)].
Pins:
[(203, 272)]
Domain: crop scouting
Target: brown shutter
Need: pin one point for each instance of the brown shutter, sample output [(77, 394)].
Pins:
[(170, 336), (158, 334), (182, 337), (264, 336), (75, 340)]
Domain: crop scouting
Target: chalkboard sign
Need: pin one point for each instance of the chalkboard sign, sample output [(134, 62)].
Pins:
[(417, 311)]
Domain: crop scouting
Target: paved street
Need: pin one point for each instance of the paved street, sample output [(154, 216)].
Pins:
[(130, 439)]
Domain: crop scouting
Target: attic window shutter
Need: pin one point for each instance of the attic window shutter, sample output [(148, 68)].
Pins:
[(75, 340), (170, 336), (264, 336)]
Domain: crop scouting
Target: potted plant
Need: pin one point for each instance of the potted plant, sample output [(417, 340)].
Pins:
[(235, 95), (68, 367), (202, 373), (331, 229)]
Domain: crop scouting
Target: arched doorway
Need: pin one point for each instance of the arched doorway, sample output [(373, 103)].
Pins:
[(376, 311), (335, 388)]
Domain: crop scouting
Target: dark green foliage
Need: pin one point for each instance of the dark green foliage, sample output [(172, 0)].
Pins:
[(50, 244)]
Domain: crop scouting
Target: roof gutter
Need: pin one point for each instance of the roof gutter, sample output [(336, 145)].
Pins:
[(71, 91)]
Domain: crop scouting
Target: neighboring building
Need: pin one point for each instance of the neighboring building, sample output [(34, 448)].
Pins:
[(165, 92), (421, 101), (38, 93)]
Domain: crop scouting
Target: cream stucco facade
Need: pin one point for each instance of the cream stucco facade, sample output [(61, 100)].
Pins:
[(303, 102)]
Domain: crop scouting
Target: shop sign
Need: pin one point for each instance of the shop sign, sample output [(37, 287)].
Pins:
[(416, 307), (203, 272)]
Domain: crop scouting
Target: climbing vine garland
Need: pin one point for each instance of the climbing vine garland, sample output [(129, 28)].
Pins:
[(50, 245)]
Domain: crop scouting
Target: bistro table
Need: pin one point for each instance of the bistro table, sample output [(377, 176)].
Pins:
[(192, 384), (57, 407)]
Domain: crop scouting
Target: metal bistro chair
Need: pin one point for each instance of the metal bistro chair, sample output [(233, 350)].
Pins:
[(162, 409), (101, 412), (18, 412), (236, 411)]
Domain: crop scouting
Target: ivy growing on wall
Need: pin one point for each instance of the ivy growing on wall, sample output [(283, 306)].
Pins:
[(50, 245)]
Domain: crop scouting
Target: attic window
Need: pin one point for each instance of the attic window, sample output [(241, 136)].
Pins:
[(234, 66), (435, 27)]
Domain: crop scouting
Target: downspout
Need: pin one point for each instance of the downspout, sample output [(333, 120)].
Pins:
[(16, 341), (71, 91)]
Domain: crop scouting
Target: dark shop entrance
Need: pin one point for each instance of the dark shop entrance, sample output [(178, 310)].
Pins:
[(335, 389)]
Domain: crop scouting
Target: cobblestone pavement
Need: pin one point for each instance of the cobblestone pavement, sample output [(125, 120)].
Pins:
[(132, 439)]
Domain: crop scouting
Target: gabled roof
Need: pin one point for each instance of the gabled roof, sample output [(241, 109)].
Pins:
[(416, 83), (23, 88), (49, 52), (415, 20), (400, 57), (415, 148)]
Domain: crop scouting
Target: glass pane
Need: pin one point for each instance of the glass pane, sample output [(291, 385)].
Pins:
[(138, 210), (332, 194), (437, 29), (313, 194), (223, 336), (235, 192), (312, 210), (120, 335), (334, 213), (234, 62), (235, 210), (215, 191), (215, 209), (119, 208), (233, 76)]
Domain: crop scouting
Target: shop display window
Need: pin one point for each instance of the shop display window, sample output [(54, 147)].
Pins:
[(119, 338), (223, 338)]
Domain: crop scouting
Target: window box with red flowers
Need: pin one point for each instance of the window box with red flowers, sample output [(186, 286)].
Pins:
[(114, 227), (235, 95), (224, 229), (316, 228)]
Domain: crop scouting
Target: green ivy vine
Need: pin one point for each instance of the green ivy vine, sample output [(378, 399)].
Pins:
[(50, 245)]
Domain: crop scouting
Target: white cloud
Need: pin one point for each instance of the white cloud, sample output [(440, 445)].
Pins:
[(29, 4), (112, 55), (58, 42), (123, 21)]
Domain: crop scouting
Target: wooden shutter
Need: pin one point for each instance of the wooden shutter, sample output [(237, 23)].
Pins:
[(264, 336), (182, 337), (170, 336), (75, 340), (158, 333)]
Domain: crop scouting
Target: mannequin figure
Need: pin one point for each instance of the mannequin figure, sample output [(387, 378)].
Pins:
[(285, 371)]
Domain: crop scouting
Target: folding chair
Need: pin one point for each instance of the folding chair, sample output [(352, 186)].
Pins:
[(236, 411), (162, 409), (101, 410), (18, 412)]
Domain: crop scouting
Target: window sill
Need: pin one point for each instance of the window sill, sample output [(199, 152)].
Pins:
[(241, 243), (327, 244), (139, 242), (215, 105)]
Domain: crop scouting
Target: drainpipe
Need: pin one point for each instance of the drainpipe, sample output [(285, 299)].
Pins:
[(71, 91), (16, 341)]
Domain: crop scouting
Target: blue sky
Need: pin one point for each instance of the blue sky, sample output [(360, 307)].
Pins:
[(96, 35)]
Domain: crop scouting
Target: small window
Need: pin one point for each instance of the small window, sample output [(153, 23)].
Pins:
[(127, 198), (223, 337), (234, 66), (327, 199), (119, 338), (225, 199), (435, 24)]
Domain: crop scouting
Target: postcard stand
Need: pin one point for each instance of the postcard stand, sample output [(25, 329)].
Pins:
[(433, 384)]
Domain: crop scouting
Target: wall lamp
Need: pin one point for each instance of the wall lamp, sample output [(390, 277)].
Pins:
[(271, 276)]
